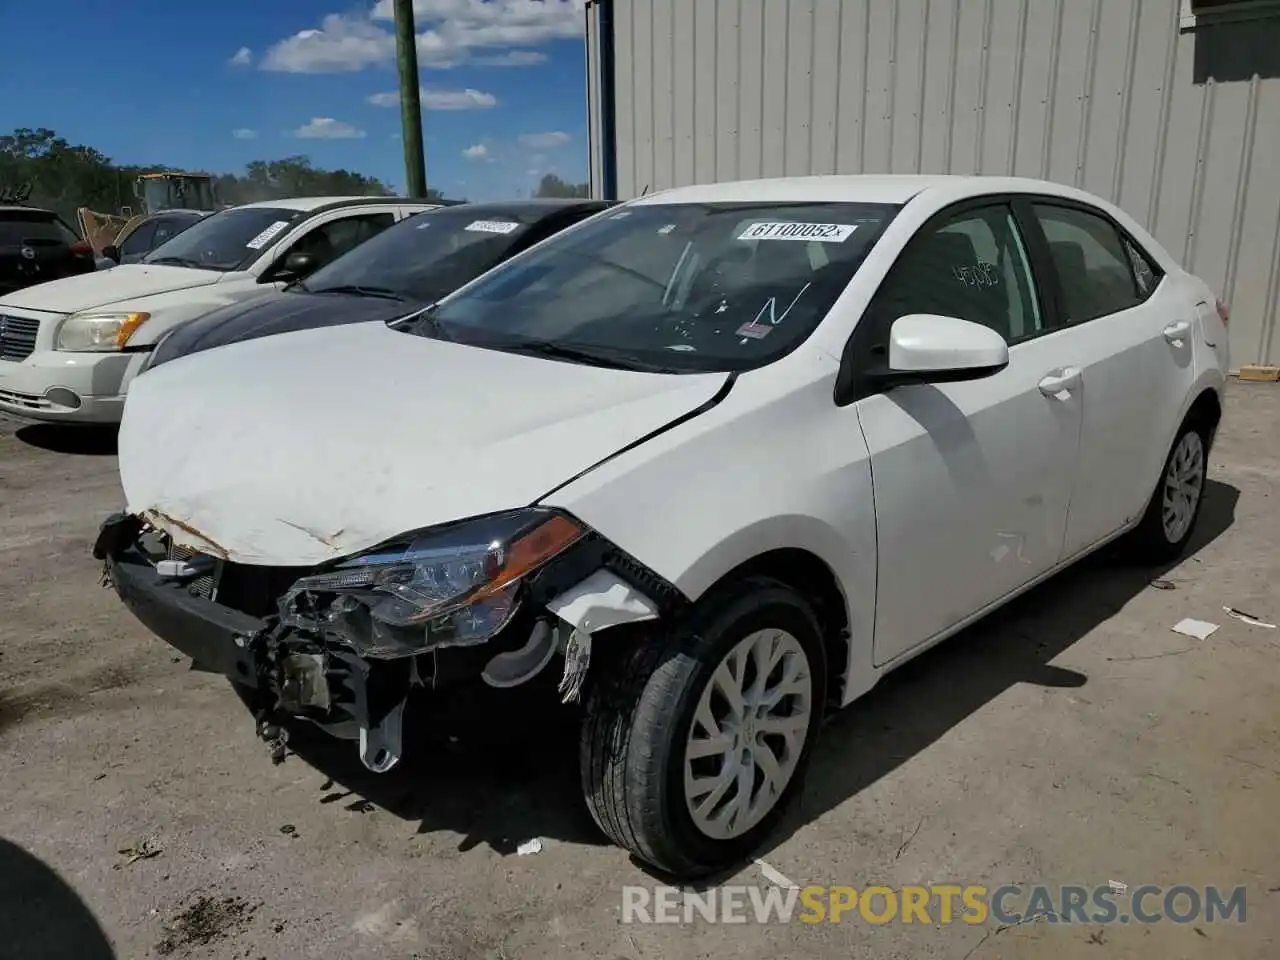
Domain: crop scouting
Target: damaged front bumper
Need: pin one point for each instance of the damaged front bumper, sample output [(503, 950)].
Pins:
[(239, 621)]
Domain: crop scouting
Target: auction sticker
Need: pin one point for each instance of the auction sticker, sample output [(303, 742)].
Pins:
[(267, 235), (794, 230), (493, 226)]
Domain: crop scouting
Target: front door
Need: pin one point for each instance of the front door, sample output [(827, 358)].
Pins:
[(972, 480)]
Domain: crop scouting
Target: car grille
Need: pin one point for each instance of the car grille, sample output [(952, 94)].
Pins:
[(17, 337)]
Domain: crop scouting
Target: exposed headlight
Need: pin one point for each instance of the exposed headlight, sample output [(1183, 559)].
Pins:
[(99, 332), (448, 586)]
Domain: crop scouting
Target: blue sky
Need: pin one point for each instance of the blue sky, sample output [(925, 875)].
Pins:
[(214, 86)]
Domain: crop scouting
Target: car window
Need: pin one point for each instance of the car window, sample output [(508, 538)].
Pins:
[(974, 266), (674, 287), (166, 227), (1146, 273), (228, 239), (139, 242), (332, 239), (18, 227), (1094, 269)]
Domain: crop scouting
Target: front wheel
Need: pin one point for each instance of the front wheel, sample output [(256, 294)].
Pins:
[(694, 744), (1170, 519)]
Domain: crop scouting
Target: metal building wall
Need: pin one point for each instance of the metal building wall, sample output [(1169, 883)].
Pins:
[(1180, 127)]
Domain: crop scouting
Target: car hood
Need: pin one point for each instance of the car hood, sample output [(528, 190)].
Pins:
[(303, 448), (104, 287), (273, 313)]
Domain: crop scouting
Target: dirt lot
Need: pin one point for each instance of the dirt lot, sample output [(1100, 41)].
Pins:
[(1071, 739)]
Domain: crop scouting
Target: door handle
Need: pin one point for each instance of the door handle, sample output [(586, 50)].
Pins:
[(1176, 333), (1060, 383)]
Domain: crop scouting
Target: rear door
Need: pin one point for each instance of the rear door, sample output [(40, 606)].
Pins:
[(972, 480), (1131, 332)]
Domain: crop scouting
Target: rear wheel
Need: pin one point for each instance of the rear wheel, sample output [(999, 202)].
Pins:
[(1170, 519), (694, 744)]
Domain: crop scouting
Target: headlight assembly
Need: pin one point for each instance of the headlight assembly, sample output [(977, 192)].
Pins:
[(449, 586), (98, 332)]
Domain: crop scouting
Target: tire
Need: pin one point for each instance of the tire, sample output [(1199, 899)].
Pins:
[(640, 716), (1164, 530)]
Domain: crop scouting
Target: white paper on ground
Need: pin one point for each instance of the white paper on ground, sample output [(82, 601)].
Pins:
[(1199, 629)]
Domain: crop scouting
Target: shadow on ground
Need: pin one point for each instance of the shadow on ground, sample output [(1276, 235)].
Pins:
[(501, 768), (89, 441), (41, 916)]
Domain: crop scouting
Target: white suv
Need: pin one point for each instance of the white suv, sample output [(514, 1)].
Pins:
[(70, 347)]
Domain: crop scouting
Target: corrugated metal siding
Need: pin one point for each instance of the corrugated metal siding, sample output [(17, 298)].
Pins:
[(1180, 128)]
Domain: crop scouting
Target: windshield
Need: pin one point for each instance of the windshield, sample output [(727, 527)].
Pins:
[(226, 240), (671, 287), (425, 257)]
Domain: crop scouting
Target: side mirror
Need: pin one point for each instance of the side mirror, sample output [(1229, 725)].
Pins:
[(298, 264), (111, 252), (926, 348)]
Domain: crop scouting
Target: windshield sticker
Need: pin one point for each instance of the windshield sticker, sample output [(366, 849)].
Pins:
[(493, 226), (267, 235), (663, 231), (423, 225), (793, 230), (755, 330), (620, 214)]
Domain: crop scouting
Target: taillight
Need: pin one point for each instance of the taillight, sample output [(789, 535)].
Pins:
[(1223, 313), (81, 248)]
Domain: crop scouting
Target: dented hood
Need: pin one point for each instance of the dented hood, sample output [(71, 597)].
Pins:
[(306, 447)]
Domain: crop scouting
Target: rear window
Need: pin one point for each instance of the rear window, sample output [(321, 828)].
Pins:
[(25, 227)]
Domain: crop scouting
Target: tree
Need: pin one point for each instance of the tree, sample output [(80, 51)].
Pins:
[(64, 176), (553, 186)]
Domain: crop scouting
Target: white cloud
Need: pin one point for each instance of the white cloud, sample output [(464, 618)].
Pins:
[(241, 58), (451, 31), (342, 43), (512, 58), (327, 128), (476, 151), (544, 141), (437, 99), (244, 133)]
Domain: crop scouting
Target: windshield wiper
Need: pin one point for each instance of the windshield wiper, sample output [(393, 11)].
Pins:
[(591, 356), (360, 290), (181, 262)]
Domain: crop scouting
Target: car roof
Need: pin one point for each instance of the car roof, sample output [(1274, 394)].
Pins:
[(525, 211), (856, 188), (312, 204)]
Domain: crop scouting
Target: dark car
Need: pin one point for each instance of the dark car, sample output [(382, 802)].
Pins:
[(404, 268), (149, 233), (35, 246)]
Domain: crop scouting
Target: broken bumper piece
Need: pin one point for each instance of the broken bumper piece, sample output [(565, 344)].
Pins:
[(345, 646)]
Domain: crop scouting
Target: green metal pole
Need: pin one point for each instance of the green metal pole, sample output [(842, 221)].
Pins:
[(415, 164)]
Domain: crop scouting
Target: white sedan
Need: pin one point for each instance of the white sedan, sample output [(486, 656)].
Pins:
[(712, 461)]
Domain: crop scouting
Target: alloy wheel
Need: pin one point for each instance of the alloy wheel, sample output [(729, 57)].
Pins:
[(748, 733), (1183, 486)]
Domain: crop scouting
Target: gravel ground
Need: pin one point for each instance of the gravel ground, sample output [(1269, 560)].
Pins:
[(1070, 739)]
